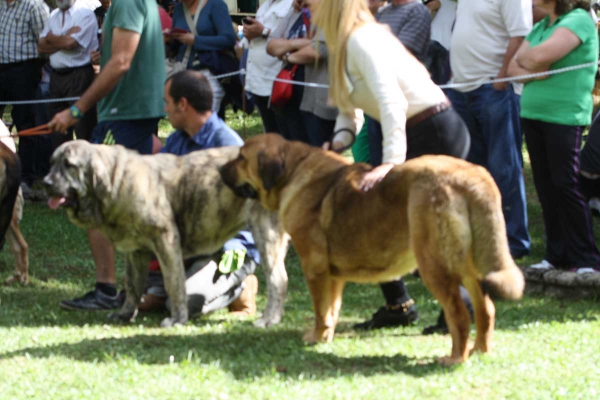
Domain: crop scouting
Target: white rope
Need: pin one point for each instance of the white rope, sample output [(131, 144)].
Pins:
[(520, 77), (40, 101), (323, 86)]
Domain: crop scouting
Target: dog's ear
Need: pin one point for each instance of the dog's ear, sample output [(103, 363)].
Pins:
[(99, 172), (271, 168)]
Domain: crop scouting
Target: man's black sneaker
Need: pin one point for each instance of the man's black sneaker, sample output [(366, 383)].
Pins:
[(439, 328), (387, 317), (94, 300)]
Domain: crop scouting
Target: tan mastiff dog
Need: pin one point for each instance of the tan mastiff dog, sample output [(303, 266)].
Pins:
[(435, 213)]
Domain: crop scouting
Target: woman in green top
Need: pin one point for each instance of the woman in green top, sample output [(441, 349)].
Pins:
[(554, 110)]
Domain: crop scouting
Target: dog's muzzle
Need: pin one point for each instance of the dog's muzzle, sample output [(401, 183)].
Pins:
[(246, 191)]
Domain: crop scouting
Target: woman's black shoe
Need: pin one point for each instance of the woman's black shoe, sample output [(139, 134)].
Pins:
[(389, 317)]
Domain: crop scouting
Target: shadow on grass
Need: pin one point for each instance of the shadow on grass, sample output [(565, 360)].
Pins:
[(246, 354)]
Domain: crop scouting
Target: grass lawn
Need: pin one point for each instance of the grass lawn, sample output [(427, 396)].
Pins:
[(544, 348)]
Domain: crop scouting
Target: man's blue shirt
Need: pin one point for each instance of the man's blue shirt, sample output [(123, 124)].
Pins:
[(214, 133)]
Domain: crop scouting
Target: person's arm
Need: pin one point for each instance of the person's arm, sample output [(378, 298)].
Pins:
[(306, 55), (225, 37), (223, 40), (50, 43), (517, 18), (124, 46), (81, 35), (433, 7), (379, 68), (513, 45), (514, 69), (39, 17), (540, 57), (254, 29), (279, 47), (88, 34), (347, 126)]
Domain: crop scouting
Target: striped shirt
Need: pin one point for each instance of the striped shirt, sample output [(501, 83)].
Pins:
[(411, 23), (59, 24), (21, 22)]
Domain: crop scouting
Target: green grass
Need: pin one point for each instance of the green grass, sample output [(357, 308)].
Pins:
[(544, 348)]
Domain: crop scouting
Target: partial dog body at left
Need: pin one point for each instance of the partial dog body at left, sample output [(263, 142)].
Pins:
[(11, 206), (173, 207)]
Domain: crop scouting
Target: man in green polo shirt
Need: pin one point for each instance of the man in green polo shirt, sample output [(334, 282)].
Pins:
[(128, 92)]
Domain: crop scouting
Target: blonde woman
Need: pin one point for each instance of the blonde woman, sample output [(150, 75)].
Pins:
[(371, 71)]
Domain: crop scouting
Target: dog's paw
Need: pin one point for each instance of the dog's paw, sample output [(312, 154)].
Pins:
[(120, 317), (266, 321), (449, 361), (318, 336), (480, 348), (17, 278), (170, 322)]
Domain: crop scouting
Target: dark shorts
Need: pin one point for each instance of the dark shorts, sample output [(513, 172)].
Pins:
[(135, 134)]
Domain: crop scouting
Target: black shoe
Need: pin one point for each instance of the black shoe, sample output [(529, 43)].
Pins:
[(385, 318), (94, 300), (439, 328)]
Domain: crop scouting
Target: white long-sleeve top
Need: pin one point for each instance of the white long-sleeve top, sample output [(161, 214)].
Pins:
[(388, 84)]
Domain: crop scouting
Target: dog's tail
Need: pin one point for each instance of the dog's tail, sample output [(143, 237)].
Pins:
[(491, 255)]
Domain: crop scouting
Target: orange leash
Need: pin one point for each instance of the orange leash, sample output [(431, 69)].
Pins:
[(38, 130)]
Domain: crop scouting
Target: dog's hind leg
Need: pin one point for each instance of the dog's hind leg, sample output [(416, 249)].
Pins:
[(485, 312), (135, 281), (443, 284), (272, 243), (20, 250), (445, 289)]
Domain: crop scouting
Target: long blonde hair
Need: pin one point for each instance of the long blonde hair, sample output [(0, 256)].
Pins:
[(338, 19)]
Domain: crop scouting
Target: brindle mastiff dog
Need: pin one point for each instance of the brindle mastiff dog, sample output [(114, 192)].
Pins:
[(435, 213), (174, 207)]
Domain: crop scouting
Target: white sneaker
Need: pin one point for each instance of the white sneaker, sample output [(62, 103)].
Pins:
[(586, 270), (542, 265)]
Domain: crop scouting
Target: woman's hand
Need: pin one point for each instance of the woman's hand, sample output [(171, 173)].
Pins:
[(185, 38), (374, 176)]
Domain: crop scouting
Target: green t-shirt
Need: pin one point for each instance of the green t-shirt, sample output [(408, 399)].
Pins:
[(564, 98), (139, 93)]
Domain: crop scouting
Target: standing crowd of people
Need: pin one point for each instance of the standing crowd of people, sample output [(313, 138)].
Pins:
[(383, 62)]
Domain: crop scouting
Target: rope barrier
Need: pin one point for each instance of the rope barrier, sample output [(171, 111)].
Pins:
[(323, 86)]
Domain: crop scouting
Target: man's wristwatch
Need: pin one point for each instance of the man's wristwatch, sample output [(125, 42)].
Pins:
[(76, 112), (265, 33)]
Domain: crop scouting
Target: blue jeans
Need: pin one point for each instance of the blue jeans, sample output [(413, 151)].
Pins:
[(135, 134), (492, 117)]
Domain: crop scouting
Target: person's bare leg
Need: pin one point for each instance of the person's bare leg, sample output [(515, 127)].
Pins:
[(104, 257)]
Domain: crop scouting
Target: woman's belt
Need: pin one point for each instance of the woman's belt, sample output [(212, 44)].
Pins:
[(428, 112)]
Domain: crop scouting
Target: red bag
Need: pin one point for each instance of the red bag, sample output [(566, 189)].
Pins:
[(282, 91)]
